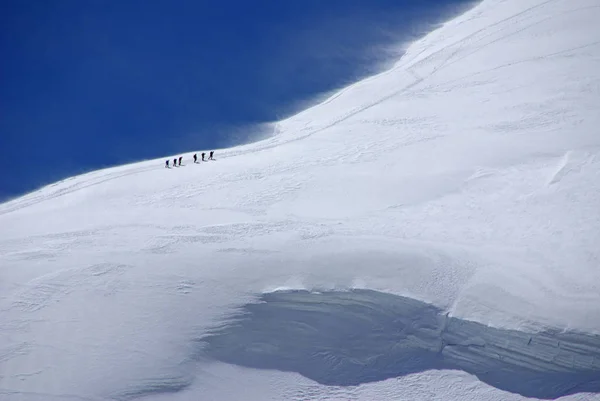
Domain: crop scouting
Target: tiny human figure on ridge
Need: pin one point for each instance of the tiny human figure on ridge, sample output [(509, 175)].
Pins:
[(176, 160)]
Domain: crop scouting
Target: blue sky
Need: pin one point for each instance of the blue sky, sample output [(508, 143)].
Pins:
[(87, 84)]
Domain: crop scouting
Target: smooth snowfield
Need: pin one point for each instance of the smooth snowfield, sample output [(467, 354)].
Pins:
[(467, 177)]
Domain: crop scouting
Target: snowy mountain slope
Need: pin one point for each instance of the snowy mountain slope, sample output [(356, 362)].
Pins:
[(466, 177)]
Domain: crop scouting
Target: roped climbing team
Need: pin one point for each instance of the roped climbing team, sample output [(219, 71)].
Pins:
[(203, 154)]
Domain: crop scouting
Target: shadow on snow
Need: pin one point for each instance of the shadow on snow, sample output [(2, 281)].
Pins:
[(360, 336)]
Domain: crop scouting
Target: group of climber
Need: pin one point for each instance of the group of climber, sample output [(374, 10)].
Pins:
[(175, 160)]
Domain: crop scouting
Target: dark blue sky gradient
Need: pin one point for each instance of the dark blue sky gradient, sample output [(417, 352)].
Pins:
[(86, 84)]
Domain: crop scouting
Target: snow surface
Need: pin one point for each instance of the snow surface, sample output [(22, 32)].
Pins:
[(466, 177)]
